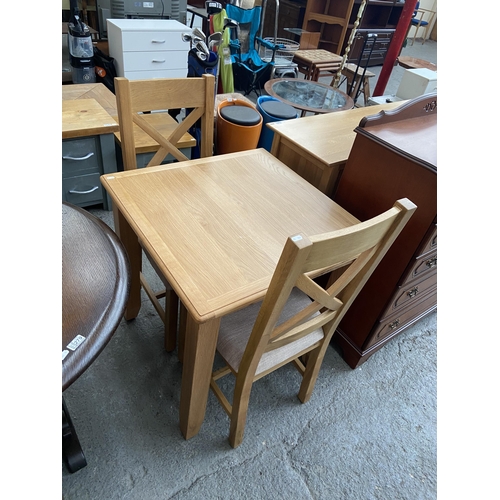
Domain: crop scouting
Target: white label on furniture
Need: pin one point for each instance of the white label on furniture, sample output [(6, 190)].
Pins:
[(76, 342)]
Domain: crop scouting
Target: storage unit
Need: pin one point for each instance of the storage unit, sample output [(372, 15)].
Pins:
[(331, 19), (145, 48), (335, 19), (88, 151), (393, 156), (291, 15), (84, 160), (416, 82)]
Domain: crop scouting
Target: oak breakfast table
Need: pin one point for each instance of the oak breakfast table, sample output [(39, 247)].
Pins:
[(215, 228), (317, 147)]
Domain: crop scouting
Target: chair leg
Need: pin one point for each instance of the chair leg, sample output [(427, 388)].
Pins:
[(239, 412), (366, 90), (315, 358), (171, 315)]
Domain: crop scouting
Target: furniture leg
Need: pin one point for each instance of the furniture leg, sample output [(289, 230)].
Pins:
[(182, 332), (199, 353), (72, 451), (134, 252), (171, 316)]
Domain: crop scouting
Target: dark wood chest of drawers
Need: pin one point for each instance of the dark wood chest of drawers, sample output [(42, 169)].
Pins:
[(393, 156)]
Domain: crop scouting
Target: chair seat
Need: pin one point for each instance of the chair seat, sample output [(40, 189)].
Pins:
[(240, 115), (278, 109), (236, 328), (416, 22)]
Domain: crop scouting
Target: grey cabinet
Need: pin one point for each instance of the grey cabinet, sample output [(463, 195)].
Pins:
[(84, 160)]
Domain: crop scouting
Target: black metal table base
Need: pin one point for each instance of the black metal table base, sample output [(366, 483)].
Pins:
[(72, 451)]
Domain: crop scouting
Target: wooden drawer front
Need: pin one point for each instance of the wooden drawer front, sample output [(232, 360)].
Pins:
[(152, 41), (163, 73), (430, 242), (82, 190), (153, 61), (393, 324), (405, 295), (80, 156), (421, 267), (380, 47)]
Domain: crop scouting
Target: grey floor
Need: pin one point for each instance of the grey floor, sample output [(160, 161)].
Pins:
[(366, 434)]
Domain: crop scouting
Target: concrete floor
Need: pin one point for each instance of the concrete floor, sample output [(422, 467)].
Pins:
[(368, 433)]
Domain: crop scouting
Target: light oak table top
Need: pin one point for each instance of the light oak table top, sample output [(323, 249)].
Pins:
[(215, 228), (328, 137), (85, 117), (96, 91), (143, 142)]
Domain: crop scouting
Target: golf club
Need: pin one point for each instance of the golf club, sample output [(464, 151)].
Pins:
[(201, 46), (198, 33), (214, 40)]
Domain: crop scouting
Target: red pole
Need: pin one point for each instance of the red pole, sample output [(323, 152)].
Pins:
[(395, 46)]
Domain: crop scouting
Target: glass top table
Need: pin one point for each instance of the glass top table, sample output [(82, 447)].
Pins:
[(308, 96)]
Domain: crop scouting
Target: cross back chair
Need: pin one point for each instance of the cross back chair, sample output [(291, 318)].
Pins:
[(297, 318), (139, 101), (143, 110)]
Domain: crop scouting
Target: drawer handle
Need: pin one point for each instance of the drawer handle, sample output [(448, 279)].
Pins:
[(74, 191), (431, 262), (86, 157), (158, 41), (394, 325), (158, 60), (411, 293)]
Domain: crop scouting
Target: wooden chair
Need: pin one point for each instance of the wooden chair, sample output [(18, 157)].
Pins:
[(418, 21), (297, 318), (143, 104), (142, 109)]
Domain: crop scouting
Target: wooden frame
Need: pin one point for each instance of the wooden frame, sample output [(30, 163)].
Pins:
[(137, 101), (353, 253)]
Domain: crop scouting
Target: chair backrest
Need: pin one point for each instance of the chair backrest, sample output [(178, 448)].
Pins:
[(352, 254), (137, 98), (249, 19)]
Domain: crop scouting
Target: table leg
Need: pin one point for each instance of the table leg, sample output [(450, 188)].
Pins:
[(134, 252), (199, 353)]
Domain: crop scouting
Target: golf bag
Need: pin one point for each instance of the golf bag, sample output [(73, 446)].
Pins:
[(197, 68)]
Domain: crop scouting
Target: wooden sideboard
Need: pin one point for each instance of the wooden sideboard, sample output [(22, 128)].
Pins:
[(393, 156)]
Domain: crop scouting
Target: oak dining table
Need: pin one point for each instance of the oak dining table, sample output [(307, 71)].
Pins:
[(214, 228)]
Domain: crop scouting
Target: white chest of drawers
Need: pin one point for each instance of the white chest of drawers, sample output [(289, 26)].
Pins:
[(148, 48)]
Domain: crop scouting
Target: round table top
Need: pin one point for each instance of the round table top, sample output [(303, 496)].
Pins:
[(95, 287), (308, 95)]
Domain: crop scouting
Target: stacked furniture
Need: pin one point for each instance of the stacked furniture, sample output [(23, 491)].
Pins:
[(148, 48), (335, 20), (393, 155)]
